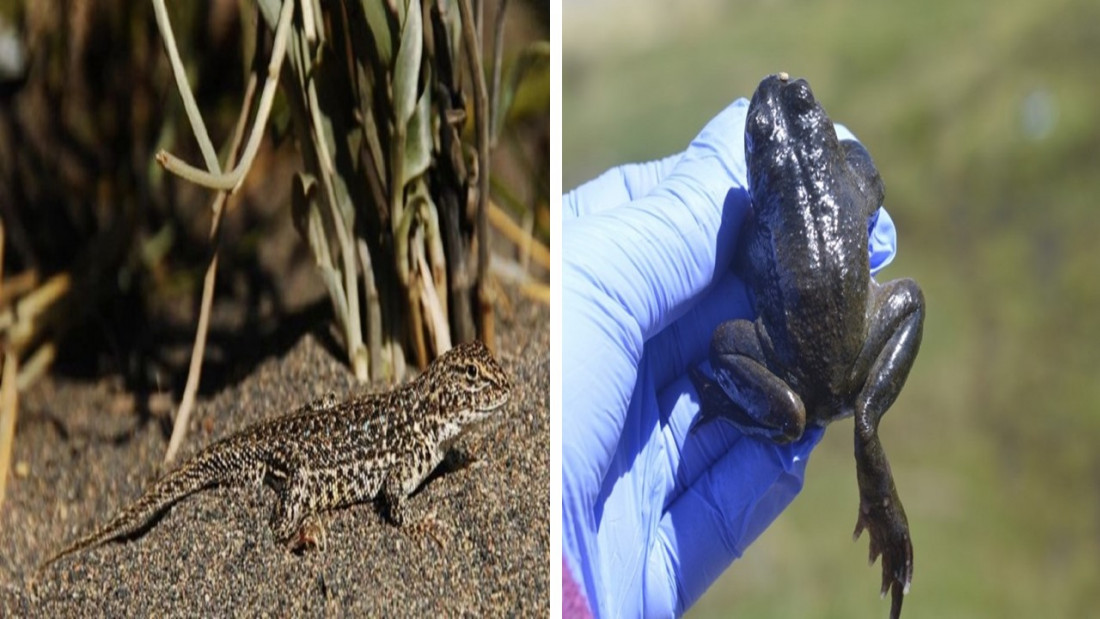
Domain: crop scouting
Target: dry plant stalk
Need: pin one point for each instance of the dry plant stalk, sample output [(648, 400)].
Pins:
[(221, 182), (377, 102), (9, 409), (26, 325), (9, 403), (472, 43), (520, 237)]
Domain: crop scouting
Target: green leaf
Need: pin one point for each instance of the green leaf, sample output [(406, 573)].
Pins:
[(418, 140), (452, 17), (270, 11), (406, 72), (528, 86), (379, 24)]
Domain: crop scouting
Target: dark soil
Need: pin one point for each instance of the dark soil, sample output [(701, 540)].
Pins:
[(478, 544)]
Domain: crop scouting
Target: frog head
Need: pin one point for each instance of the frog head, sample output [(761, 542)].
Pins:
[(792, 151)]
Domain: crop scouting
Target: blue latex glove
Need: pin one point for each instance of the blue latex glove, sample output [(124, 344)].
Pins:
[(653, 515)]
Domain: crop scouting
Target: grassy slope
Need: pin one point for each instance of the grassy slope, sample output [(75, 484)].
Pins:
[(994, 441)]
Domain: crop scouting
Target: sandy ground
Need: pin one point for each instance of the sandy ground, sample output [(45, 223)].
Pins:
[(479, 545)]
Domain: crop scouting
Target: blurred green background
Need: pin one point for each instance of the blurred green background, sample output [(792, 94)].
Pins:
[(984, 122)]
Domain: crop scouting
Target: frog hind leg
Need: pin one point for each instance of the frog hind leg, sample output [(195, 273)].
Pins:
[(714, 404), (891, 347), (745, 392)]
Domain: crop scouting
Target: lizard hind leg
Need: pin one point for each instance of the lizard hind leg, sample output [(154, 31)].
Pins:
[(311, 534), (294, 520), (393, 498)]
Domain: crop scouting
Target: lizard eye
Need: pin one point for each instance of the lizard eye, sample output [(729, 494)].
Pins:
[(471, 371)]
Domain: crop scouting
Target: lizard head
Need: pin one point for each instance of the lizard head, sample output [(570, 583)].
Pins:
[(468, 382)]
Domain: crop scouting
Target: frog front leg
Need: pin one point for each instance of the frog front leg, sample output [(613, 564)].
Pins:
[(897, 318), (745, 391)]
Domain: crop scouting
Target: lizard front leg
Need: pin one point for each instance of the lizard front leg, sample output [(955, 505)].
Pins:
[(399, 484), (404, 478)]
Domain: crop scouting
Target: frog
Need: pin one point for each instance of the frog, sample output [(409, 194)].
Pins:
[(828, 341)]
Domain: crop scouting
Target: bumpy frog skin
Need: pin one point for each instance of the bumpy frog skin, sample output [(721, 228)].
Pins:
[(829, 342)]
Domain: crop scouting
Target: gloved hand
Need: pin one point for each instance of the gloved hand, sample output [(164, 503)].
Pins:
[(652, 514)]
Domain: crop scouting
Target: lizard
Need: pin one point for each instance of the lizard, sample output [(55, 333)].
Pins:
[(328, 454)]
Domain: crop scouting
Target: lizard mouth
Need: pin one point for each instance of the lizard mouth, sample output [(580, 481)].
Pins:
[(493, 405)]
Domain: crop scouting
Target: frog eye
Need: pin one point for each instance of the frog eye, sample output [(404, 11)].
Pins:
[(471, 371)]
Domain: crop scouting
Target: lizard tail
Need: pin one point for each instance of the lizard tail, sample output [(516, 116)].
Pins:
[(206, 469)]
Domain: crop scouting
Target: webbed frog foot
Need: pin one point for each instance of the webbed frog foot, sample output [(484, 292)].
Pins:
[(885, 522)]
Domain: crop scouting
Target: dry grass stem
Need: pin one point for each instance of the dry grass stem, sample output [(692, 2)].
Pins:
[(230, 181), (9, 408), (198, 349), (517, 235), (472, 43)]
